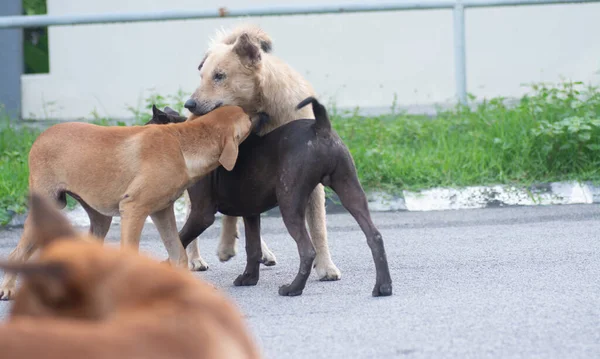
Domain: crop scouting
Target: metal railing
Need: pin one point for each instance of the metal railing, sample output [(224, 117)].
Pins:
[(458, 7)]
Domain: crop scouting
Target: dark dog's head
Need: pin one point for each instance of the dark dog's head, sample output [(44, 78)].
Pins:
[(162, 118)]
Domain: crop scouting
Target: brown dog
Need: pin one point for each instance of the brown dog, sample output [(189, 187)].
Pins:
[(132, 172), (81, 299), (240, 69)]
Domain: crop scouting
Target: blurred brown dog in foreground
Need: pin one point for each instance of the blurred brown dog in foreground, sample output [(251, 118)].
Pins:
[(80, 299)]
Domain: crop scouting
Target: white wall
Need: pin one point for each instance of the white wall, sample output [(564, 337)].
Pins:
[(353, 59)]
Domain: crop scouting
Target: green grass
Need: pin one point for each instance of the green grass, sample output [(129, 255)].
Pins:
[(551, 134), (14, 148)]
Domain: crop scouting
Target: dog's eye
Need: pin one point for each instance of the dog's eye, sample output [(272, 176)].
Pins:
[(218, 76)]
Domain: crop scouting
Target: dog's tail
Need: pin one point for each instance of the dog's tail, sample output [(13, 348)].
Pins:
[(321, 116)]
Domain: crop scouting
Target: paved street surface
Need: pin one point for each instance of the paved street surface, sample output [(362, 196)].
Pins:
[(511, 283)]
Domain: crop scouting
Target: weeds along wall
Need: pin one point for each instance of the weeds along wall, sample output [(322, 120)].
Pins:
[(363, 59)]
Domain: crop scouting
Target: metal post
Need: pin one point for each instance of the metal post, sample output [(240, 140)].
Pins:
[(460, 66), (11, 61)]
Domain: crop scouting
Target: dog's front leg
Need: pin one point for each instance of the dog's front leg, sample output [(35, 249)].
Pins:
[(253, 252), (196, 262), (132, 223), (317, 225), (165, 222)]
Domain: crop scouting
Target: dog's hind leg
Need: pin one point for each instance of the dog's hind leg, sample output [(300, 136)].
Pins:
[(228, 241), (317, 225), (268, 258), (196, 262), (99, 223), (253, 252), (167, 228), (346, 185), (293, 212), (26, 246)]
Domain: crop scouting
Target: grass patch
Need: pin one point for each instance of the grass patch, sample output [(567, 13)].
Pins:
[(551, 134), (14, 149)]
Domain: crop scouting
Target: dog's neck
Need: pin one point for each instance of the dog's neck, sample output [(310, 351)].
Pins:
[(200, 148), (282, 89)]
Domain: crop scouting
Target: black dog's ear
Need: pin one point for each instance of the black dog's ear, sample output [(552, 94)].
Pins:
[(259, 121), (47, 223), (170, 111), (248, 52), (158, 117)]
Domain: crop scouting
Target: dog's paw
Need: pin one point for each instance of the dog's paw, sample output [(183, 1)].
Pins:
[(382, 290), (326, 270), (7, 293), (198, 265), (268, 262), (225, 253), (268, 259), (289, 291), (246, 279)]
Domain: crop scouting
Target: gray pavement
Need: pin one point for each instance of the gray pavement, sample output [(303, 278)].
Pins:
[(510, 282)]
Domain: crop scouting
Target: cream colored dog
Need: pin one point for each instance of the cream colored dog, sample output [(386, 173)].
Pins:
[(131, 172), (240, 69), (81, 299)]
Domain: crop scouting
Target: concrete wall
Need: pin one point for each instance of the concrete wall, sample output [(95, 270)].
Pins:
[(11, 60), (353, 59)]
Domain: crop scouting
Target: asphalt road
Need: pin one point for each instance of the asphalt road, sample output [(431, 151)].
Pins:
[(510, 282)]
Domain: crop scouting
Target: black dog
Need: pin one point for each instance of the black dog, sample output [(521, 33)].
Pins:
[(283, 168), (163, 118)]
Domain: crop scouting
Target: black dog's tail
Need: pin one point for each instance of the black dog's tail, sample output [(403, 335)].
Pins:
[(321, 117)]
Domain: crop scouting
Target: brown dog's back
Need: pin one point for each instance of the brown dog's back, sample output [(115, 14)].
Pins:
[(58, 164)]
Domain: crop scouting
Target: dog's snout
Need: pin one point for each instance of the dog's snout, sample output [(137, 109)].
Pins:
[(190, 104)]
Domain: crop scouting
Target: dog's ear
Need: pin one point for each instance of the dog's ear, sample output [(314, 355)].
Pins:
[(248, 52), (155, 110), (53, 270), (259, 121), (45, 282), (46, 222), (158, 117), (229, 154), (172, 116), (170, 111)]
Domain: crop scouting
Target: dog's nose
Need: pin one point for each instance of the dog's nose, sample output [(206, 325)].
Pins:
[(190, 104)]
